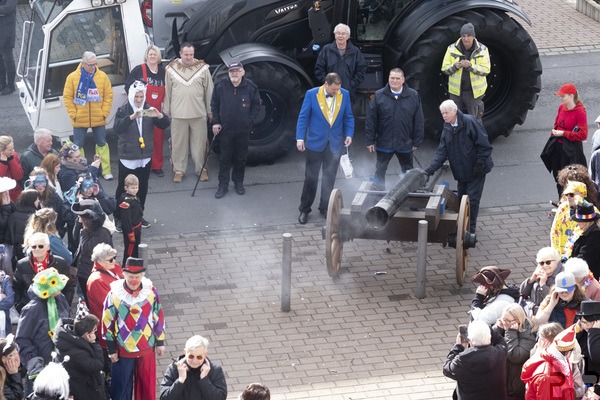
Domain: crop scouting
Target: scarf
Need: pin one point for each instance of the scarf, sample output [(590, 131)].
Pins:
[(79, 167), (52, 316), (86, 90)]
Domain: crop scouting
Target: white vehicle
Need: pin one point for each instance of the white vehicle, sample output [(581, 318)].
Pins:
[(53, 42)]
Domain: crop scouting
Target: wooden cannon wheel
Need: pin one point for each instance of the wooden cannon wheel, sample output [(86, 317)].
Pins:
[(462, 225), (333, 243)]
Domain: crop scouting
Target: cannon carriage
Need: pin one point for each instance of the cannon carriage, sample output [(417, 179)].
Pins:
[(395, 215)]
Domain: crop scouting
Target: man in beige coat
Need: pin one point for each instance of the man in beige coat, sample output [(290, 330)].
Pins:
[(189, 88)]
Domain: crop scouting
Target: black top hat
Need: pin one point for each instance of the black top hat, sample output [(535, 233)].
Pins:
[(590, 310), (584, 212), (134, 265)]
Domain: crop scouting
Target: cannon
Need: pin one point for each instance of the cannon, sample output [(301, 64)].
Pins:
[(394, 215)]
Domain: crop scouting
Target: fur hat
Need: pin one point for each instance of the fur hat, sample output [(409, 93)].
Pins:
[(565, 341), (491, 276), (134, 265), (467, 29)]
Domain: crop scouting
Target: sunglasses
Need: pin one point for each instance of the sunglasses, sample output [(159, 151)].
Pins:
[(571, 194), (38, 246), (111, 260), (547, 262), (191, 357)]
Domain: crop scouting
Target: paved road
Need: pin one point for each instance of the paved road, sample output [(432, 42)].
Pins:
[(361, 336)]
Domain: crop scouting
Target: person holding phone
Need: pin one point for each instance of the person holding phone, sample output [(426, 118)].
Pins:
[(134, 124), (193, 375)]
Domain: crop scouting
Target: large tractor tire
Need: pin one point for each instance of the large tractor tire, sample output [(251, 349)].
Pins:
[(274, 130), (513, 83)]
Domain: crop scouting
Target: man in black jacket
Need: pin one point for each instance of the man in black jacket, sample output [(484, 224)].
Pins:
[(478, 364), (465, 144), (343, 58), (394, 125), (235, 105), (194, 376)]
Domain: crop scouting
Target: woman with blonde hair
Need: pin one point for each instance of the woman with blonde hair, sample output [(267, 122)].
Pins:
[(516, 329), (44, 221), (51, 164), (10, 166)]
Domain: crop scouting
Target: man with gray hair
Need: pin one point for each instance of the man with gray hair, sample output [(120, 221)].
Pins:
[(35, 153), (478, 364), (464, 142), (343, 58), (88, 98), (193, 375)]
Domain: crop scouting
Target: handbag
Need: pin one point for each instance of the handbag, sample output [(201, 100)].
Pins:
[(346, 164)]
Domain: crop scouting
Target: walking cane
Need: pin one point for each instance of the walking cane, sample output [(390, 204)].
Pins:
[(204, 164)]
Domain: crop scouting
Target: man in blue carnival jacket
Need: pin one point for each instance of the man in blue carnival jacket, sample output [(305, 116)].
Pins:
[(325, 126)]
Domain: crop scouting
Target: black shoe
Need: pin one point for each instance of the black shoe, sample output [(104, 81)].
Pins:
[(10, 89), (221, 191), (145, 224), (239, 189), (159, 172), (303, 218), (118, 226)]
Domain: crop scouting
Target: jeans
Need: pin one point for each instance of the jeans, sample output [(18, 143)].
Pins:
[(99, 135)]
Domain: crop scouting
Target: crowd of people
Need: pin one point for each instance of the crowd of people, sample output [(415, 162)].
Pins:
[(538, 339)]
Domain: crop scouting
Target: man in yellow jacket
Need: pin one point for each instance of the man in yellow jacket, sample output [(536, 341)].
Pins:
[(88, 98), (467, 63)]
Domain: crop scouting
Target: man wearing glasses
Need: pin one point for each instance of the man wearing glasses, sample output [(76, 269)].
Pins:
[(235, 105), (193, 375), (88, 98), (343, 58)]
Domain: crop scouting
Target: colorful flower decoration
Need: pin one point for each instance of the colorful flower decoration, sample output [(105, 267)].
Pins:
[(48, 282)]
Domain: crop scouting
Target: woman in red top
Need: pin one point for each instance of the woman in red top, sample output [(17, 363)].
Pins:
[(564, 146), (10, 166)]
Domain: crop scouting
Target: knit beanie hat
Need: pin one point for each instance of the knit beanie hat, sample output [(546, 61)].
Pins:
[(467, 29)]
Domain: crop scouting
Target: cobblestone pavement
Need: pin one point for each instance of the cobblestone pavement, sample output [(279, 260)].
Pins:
[(361, 336)]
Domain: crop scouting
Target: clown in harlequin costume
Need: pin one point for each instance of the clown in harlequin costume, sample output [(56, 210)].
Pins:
[(38, 320), (133, 326), (548, 375)]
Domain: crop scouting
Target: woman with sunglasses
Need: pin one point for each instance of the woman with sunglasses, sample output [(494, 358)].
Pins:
[(11, 371), (40, 258), (105, 272), (44, 221), (535, 288), (193, 375)]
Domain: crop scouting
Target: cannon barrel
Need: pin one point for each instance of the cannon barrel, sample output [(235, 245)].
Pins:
[(379, 215)]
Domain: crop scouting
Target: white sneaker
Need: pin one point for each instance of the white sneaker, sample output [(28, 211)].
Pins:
[(108, 177)]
